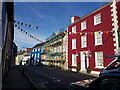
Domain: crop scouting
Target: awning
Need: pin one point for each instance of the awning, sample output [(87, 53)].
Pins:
[(57, 54)]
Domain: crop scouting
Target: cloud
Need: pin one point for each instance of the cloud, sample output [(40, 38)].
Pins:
[(34, 10)]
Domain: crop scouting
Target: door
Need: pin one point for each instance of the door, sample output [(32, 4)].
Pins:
[(84, 60)]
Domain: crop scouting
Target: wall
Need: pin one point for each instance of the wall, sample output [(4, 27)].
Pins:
[(106, 25)]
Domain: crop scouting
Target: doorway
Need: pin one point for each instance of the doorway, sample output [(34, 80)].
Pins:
[(84, 60)]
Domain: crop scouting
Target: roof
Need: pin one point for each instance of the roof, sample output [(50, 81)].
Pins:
[(39, 44), (56, 35), (91, 13), (20, 53)]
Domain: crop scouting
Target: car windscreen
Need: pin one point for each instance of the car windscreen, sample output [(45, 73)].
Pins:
[(114, 65)]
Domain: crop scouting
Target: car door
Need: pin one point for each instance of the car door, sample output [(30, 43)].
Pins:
[(106, 83)]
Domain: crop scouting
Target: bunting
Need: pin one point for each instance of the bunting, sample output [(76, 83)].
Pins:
[(89, 33), (31, 36), (22, 23)]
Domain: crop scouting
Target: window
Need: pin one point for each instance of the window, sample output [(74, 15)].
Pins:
[(35, 50), (74, 60), (83, 41), (35, 55), (83, 25), (98, 38), (74, 29), (38, 55), (99, 59), (73, 43), (97, 19)]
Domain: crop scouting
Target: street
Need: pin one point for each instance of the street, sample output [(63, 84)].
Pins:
[(46, 77)]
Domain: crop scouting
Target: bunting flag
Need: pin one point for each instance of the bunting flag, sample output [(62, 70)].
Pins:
[(89, 33), (29, 34), (29, 25)]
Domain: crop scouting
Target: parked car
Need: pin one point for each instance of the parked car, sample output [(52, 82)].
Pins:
[(109, 78), (113, 66), (108, 81)]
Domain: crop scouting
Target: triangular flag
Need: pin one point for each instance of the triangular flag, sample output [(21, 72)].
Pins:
[(80, 33), (15, 25), (29, 25), (37, 27), (18, 27), (18, 22), (22, 23)]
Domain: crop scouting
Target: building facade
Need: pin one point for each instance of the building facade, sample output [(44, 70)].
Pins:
[(94, 36), (53, 50), (7, 46), (35, 56)]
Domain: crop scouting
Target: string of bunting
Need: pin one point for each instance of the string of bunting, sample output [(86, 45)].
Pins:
[(22, 23), (88, 33), (29, 34)]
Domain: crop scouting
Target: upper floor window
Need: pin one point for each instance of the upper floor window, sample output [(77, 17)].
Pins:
[(83, 25), (83, 41), (98, 38), (99, 59), (74, 29), (73, 43), (97, 19)]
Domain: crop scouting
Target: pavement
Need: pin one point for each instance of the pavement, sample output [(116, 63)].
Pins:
[(15, 79)]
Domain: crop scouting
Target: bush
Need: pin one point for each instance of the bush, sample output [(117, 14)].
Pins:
[(78, 68), (60, 65), (88, 69), (50, 64)]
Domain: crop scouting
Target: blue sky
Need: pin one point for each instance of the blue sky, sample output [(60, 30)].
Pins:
[(49, 16)]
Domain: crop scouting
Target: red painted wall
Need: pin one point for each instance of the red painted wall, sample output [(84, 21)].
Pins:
[(107, 47)]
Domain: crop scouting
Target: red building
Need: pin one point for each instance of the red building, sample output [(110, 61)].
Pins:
[(94, 36)]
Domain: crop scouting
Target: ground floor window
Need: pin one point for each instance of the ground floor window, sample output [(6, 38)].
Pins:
[(99, 59), (74, 59)]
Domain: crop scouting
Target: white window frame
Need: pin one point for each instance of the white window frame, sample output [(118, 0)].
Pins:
[(74, 29), (97, 19), (97, 65), (74, 59), (35, 56), (98, 38), (83, 41), (74, 43), (83, 25), (38, 55)]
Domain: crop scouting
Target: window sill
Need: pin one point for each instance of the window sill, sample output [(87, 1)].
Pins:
[(84, 47), (74, 49), (98, 44), (99, 67), (74, 65), (95, 24), (83, 29)]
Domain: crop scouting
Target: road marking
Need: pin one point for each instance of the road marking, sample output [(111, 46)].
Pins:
[(53, 78), (58, 80)]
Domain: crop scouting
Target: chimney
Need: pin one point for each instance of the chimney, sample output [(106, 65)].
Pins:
[(28, 49), (74, 18)]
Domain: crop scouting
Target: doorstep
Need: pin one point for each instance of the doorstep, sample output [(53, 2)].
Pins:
[(93, 73)]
